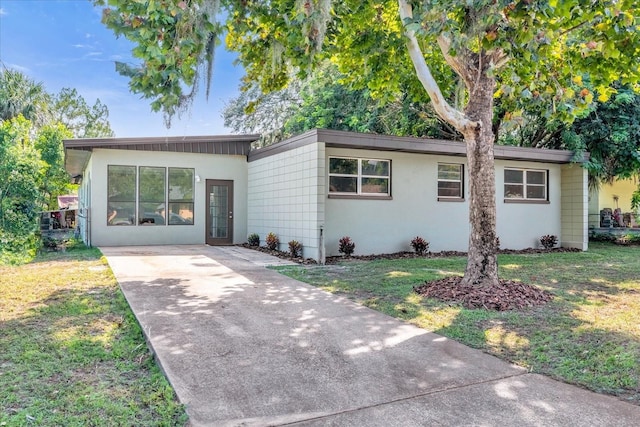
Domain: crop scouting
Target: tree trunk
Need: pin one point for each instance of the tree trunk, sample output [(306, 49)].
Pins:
[(482, 262)]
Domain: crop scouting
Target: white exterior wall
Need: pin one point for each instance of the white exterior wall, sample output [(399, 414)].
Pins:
[(520, 225), (385, 226), (286, 196), (83, 219), (207, 166), (575, 197)]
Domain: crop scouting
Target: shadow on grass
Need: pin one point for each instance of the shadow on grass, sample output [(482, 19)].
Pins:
[(586, 336), (78, 356)]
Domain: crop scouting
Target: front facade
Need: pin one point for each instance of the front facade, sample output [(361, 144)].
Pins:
[(160, 191), (315, 188)]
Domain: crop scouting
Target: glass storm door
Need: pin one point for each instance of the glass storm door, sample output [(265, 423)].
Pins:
[(220, 212)]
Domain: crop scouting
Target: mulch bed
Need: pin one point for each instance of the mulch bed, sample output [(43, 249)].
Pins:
[(506, 295)]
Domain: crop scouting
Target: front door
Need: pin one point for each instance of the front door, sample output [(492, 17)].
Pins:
[(220, 212)]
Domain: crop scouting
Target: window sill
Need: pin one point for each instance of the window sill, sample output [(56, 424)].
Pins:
[(359, 197), (452, 199), (528, 202)]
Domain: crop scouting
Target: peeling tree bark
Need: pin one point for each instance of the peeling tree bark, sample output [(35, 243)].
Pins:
[(482, 261), (475, 124)]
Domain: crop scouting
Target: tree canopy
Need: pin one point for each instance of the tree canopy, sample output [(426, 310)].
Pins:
[(322, 100)]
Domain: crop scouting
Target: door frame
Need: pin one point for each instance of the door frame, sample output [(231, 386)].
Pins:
[(229, 239)]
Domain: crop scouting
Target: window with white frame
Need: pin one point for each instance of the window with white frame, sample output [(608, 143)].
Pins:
[(360, 177), (450, 181), (525, 184)]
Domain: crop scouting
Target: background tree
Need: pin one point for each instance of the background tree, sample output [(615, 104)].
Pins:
[(20, 95), (609, 131), (20, 179), (83, 121), (33, 124), (496, 48), (323, 101)]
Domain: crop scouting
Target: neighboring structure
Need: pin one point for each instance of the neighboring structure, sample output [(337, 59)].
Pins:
[(315, 188), (612, 196)]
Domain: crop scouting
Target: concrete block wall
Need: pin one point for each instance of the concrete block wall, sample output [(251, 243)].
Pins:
[(574, 207), (286, 194)]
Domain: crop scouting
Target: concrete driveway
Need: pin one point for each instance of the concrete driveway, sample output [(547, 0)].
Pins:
[(243, 345)]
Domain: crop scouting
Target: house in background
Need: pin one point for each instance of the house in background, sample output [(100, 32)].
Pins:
[(612, 196), (315, 188)]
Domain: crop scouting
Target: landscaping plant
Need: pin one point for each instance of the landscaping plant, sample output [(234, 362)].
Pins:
[(346, 246), (253, 239), (272, 241), (295, 248), (549, 241), (419, 245)]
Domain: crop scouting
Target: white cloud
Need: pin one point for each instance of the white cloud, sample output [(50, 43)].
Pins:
[(3, 12), (80, 46), (20, 68)]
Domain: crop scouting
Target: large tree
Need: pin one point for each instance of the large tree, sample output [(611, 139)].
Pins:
[(323, 100), (495, 48)]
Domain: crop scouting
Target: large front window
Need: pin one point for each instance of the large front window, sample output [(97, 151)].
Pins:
[(180, 196), (152, 192), (121, 195), (148, 195), (361, 177), (525, 184)]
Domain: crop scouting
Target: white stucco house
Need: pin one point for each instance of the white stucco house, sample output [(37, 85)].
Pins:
[(315, 188)]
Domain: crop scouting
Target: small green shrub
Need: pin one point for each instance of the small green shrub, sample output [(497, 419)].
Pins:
[(272, 241), (346, 246), (253, 239), (419, 245), (548, 241), (628, 239), (295, 248), (602, 237)]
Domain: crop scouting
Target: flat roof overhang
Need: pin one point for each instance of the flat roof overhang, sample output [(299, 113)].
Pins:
[(363, 141), (78, 151)]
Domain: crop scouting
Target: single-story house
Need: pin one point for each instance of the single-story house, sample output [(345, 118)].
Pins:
[(610, 197), (315, 188)]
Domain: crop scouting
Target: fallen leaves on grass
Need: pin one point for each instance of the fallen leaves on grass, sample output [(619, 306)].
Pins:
[(506, 295)]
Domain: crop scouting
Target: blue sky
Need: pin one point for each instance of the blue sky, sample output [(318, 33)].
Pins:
[(64, 44)]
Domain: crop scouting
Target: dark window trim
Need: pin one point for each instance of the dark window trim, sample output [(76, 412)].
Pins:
[(462, 189), (135, 199), (193, 201), (358, 194), (524, 187), (141, 221), (451, 199), (528, 201)]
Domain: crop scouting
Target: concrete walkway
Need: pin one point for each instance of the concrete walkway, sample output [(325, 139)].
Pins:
[(243, 345)]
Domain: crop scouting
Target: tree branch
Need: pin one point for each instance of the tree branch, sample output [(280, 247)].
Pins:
[(440, 104)]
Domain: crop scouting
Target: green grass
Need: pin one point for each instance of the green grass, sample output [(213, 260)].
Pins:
[(71, 351), (588, 335)]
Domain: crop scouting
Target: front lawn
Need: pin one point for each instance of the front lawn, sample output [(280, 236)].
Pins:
[(588, 335), (71, 351)]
